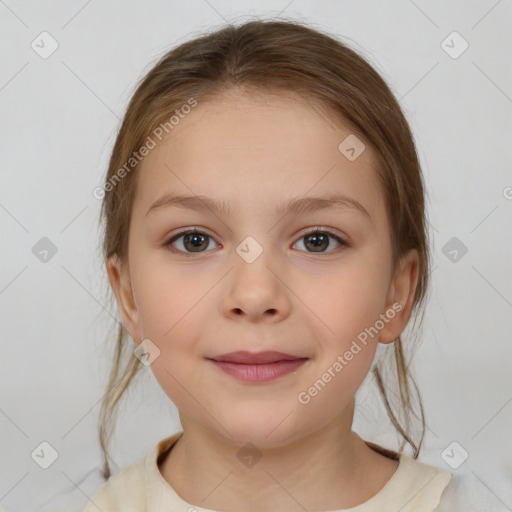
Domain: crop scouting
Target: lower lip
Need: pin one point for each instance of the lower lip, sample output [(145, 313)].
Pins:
[(260, 372)]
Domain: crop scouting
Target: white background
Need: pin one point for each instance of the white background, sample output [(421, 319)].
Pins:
[(59, 118)]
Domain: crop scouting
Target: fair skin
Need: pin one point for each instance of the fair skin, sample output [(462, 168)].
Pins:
[(257, 153)]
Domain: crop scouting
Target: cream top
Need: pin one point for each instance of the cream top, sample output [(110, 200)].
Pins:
[(414, 487)]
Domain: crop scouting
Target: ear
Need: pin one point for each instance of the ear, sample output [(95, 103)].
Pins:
[(400, 299), (119, 277)]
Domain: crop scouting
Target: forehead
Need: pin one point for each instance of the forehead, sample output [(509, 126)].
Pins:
[(255, 150)]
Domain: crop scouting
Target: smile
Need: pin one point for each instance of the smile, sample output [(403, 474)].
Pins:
[(258, 367)]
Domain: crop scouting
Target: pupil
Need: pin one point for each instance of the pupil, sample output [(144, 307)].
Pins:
[(196, 240), (318, 239)]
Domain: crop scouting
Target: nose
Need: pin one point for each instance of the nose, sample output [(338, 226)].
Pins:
[(257, 291)]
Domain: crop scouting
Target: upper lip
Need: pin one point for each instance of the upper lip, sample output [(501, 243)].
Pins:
[(243, 357)]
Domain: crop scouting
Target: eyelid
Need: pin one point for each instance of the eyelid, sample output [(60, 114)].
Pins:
[(324, 229), (193, 230), (341, 239)]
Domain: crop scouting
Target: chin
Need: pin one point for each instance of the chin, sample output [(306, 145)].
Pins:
[(265, 426)]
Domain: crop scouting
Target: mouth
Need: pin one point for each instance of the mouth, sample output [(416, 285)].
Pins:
[(258, 367)]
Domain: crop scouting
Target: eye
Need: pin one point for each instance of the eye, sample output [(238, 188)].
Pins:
[(193, 240), (318, 240)]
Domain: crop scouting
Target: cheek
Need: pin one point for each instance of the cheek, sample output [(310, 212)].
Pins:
[(167, 295), (347, 301), (172, 301), (169, 307)]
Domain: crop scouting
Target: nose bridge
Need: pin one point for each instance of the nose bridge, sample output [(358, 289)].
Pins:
[(254, 233), (255, 287), (253, 256)]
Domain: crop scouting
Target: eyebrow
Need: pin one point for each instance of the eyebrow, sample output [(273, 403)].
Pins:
[(296, 205)]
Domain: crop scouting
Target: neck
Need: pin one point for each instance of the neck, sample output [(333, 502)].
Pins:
[(328, 469)]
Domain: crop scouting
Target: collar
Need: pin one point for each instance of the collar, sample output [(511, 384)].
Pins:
[(414, 487)]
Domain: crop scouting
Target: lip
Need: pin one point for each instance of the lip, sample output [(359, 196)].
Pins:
[(244, 357), (258, 367)]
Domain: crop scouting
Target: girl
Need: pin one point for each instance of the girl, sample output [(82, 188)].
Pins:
[(264, 231)]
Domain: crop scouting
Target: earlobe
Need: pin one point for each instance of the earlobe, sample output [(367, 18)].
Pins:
[(119, 277), (400, 299)]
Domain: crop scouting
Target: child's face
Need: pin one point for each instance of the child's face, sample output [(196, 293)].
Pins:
[(256, 155)]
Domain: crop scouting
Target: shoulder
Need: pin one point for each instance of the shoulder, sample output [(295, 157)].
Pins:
[(414, 487), (126, 488), (468, 493), (421, 485)]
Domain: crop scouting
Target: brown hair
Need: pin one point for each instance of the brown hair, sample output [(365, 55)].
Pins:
[(283, 57)]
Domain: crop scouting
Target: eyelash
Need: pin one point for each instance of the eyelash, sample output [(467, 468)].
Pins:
[(317, 230)]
